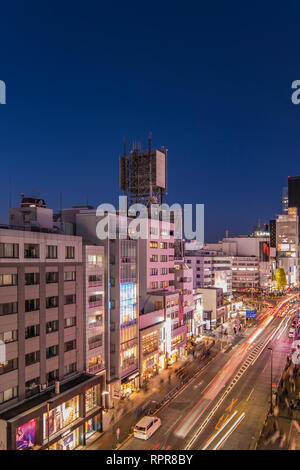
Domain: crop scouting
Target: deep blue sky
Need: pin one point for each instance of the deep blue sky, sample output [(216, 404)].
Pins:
[(211, 80)]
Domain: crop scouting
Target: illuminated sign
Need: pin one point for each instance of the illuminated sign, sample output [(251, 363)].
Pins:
[(283, 247), (250, 313)]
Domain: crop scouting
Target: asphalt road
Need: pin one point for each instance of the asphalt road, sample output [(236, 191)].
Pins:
[(225, 406)]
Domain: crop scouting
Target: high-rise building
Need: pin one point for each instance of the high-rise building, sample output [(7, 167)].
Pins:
[(294, 196), (287, 236)]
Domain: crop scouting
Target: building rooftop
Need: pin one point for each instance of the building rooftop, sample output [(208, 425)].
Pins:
[(43, 397)]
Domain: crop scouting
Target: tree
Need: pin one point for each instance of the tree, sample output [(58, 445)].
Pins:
[(281, 281)]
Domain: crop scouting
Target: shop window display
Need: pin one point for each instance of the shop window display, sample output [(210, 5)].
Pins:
[(61, 416)]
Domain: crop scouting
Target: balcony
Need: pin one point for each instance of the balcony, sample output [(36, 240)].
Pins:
[(95, 284), (95, 324), (96, 368), (96, 344), (98, 303)]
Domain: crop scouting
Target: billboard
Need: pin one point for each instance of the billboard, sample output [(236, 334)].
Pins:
[(250, 313), (25, 435), (264, 251), (160, 169)]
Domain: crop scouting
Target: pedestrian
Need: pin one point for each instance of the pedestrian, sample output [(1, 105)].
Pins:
[(118, 434)]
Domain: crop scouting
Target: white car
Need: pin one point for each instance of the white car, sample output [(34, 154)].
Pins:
[(146, 427)]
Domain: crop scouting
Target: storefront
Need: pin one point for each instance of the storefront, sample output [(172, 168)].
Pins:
[(150, 366), (130, 385), (56, 422), (69, 441)]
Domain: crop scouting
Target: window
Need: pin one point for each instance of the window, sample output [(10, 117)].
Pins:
[(32, 331), (70, 322), (95, 342), (9, 250), (91, 398), (9, 336), (153, 258), (52, 326), (95, 320), (95, 361), (9, 394), (51, 252), (51, 376), (31, 251), (95, 298), (153, 285), (153, 244), (70, 368), (9, 308), (32, 279), (8, 366), (32, 304), (153, 272), (164, 271), (164, 284), (70, 252), (163, 258), (95, 278), (32, 358), (150, 343), (8, 280), (51, 302), (70, 345), (96, 259), (70, 276), (52, 277), (52, 351), (32, 387), (163, 245), (70, 299)]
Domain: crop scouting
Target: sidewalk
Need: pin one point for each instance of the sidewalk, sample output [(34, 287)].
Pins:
[(282, 431), (129, 411)]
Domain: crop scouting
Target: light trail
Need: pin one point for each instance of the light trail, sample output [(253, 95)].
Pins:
[(230, 431), (220, 430), (226, 373)]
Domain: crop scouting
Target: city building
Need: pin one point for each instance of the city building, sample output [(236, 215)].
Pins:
[(210, 268), (214, 311), (287, 236)]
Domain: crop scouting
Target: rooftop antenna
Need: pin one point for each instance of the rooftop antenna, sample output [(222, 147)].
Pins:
[(226, 232)]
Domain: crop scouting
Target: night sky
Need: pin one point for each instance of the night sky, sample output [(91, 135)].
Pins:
[(211, 80)]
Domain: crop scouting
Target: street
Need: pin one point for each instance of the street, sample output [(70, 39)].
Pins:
[(225, 406)]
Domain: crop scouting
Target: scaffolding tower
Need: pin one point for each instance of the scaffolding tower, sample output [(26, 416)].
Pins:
[(143, 175)]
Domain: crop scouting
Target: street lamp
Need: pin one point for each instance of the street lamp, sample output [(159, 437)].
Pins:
[(271, 408)]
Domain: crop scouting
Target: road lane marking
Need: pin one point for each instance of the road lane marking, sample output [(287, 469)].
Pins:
[(233, 427), (250, 394)]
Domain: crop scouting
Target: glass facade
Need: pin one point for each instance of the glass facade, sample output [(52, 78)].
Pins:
[(61, 416), (128, 311)]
